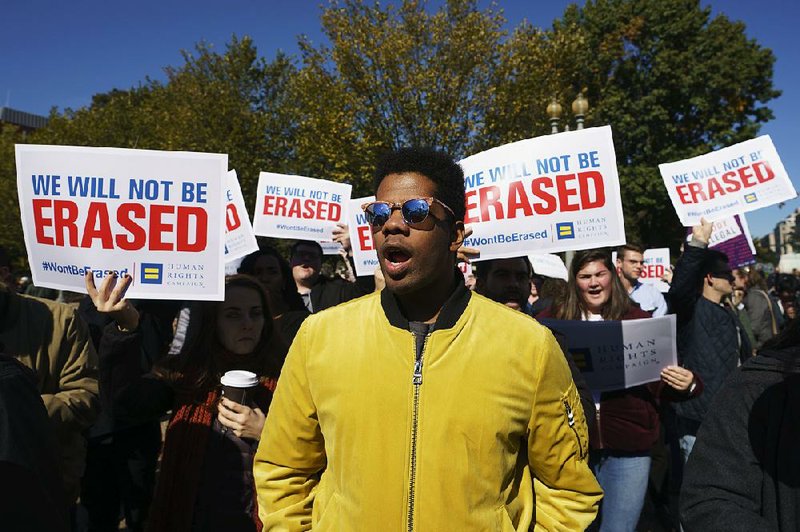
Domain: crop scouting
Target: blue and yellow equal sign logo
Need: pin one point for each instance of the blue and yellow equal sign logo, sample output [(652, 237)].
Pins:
[(750, 198), (152, 273), (565, 230)]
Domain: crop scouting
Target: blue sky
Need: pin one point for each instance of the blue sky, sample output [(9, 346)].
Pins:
[(58, 53)]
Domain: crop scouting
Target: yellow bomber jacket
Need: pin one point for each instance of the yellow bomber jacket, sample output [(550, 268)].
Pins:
[(362, 436)]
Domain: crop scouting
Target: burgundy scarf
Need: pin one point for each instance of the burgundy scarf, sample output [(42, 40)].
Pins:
[(182, 461)]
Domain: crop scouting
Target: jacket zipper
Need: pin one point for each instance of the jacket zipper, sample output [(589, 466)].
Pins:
[(416, 380), (571, 423), (599, 428)]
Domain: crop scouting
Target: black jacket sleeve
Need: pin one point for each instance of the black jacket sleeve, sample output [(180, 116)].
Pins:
[(723, 478), (133, 395), (683, 291)]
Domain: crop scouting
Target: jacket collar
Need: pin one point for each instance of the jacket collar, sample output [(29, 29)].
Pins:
[(452, 309)]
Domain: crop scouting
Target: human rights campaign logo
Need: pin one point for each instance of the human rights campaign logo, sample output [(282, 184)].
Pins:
[(750, 198), (152, 273), (565, 230)]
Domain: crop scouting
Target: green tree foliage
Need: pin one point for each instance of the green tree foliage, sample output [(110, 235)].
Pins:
[(674, 83), (764, 254), (391, 77), (11, 237), (221, 103)]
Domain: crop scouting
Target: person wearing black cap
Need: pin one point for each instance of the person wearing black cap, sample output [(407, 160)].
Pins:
[(711, 341)]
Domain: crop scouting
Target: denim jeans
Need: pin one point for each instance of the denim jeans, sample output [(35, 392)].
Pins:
[(623, 478), (686, 443), (687, 434)]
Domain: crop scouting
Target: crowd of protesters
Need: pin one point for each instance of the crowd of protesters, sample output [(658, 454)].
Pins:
[(111, 409)]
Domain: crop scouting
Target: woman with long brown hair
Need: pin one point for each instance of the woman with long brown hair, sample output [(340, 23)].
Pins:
[(627, 423), (205, 481)]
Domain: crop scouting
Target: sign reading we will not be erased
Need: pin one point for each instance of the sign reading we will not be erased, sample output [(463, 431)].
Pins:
[(552, 193), (732, 180), (155, 215), (304, 208), (240, 240), (365, 256)]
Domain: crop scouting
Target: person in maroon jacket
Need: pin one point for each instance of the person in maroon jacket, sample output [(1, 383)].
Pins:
[(627, 422)]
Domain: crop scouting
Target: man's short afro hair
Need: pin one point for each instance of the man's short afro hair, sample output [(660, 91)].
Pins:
[(437, 166)]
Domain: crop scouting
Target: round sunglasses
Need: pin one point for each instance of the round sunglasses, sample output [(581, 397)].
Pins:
[(414, 211)]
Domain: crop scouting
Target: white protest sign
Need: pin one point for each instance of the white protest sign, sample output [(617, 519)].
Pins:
[(304, 208), (541, 195), (232, 267), (613, 355), (155, 215), (548, 265), (240, 240), (655, 263), (466, 269), (364, 254), (330, 248), (737, 179)]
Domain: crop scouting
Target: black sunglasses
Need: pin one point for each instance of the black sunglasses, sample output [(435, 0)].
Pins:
[(728, 276), (414, 211)]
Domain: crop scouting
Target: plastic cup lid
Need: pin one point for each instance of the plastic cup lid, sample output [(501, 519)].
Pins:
[(239, 379)]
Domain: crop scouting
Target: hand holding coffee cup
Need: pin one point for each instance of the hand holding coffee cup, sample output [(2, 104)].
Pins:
[(238, 385), (234, 412)]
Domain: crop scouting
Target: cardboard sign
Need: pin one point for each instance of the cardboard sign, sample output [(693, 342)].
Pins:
[(466, 269), (156, 215), (240, 240), (549, 265), (656, 262), (733, 180), (732, 237), (547, 194), (364, 254), (330, 248), (304, 208), (613, 355)]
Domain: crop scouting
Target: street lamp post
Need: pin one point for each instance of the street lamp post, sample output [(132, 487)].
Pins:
[(554, 112), (580, 106)]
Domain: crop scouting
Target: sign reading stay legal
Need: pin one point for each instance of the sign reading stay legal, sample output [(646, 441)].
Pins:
[(291, 206), (731, 236), (546, 194), (733, 180), (157, 216), (240, 240), (613, 355)]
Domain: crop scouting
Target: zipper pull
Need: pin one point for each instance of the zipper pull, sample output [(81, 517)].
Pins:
[(418, 371), (570, 417)]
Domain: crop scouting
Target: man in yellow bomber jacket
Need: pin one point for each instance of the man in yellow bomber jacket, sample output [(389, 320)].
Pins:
[(423, 407)]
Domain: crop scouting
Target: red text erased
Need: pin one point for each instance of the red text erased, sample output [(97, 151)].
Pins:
[(152, 227), (733, 181), (542, 195), (365, 242), (297, 208)]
